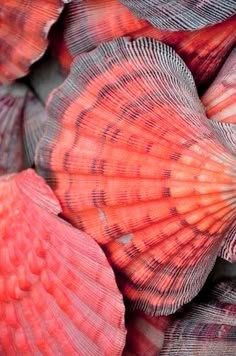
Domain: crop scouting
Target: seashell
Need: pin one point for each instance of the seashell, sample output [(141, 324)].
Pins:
[(22, 119), (135, 163), (145, 334), (23, 34), (220, 98), (206, 327), (84, 29), (58, 294), (12, 101), (182, 14), (33, 126), (228, 250), (225, 292)]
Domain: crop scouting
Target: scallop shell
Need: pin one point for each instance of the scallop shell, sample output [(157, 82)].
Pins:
[(177, 15), (207, 327), (220, 98), (135, 163), (84, 29), (12, 101), (145, 334), (58, 294), (23, 34)]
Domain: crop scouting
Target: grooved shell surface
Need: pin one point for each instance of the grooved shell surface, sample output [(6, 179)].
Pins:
[(24, 27), (135, 163), (58, 294), (83, 28), (182, 14), (206, 327)]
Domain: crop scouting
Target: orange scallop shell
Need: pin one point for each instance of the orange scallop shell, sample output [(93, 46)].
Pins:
[(135, 163), (177, 15), (84, 28), (220, 98), (58, 294), (24, 27), (206, 327)]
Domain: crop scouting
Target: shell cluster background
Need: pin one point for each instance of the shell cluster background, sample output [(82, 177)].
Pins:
[(118, 177)]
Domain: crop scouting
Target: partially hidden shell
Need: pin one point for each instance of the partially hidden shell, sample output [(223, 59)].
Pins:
[(24, 27), (22, 119), (206, 327), (135, 163), (220, 98), (177, 15), (58, 294), (145, 334), (33, 126), (12, 103), (83, 28)]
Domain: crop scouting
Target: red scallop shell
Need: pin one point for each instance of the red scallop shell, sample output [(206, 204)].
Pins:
[(58, 294), (84, 28), (24, 27), (206, 327), (135, 163)]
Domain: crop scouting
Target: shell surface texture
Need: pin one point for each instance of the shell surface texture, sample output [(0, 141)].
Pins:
[(206, 327), (34, 120), (177, 15), (58, 294), (24, 27), (135, 163), (145, 334), (12, 103), (83, 28), (220, 98)]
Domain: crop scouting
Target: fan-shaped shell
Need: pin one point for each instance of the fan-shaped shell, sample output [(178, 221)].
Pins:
[(58, 294), (24, 26), (177, 15), (220, 98), (84, 28), (135, 163), (12, 102), (145, 334), (206, 327)]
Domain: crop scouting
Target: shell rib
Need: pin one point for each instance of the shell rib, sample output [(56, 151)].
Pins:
[(58, 294), (206, 327), (145, 334), (177, 15), (24, 27), (135, 163), (220, 98), (84, 29)]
